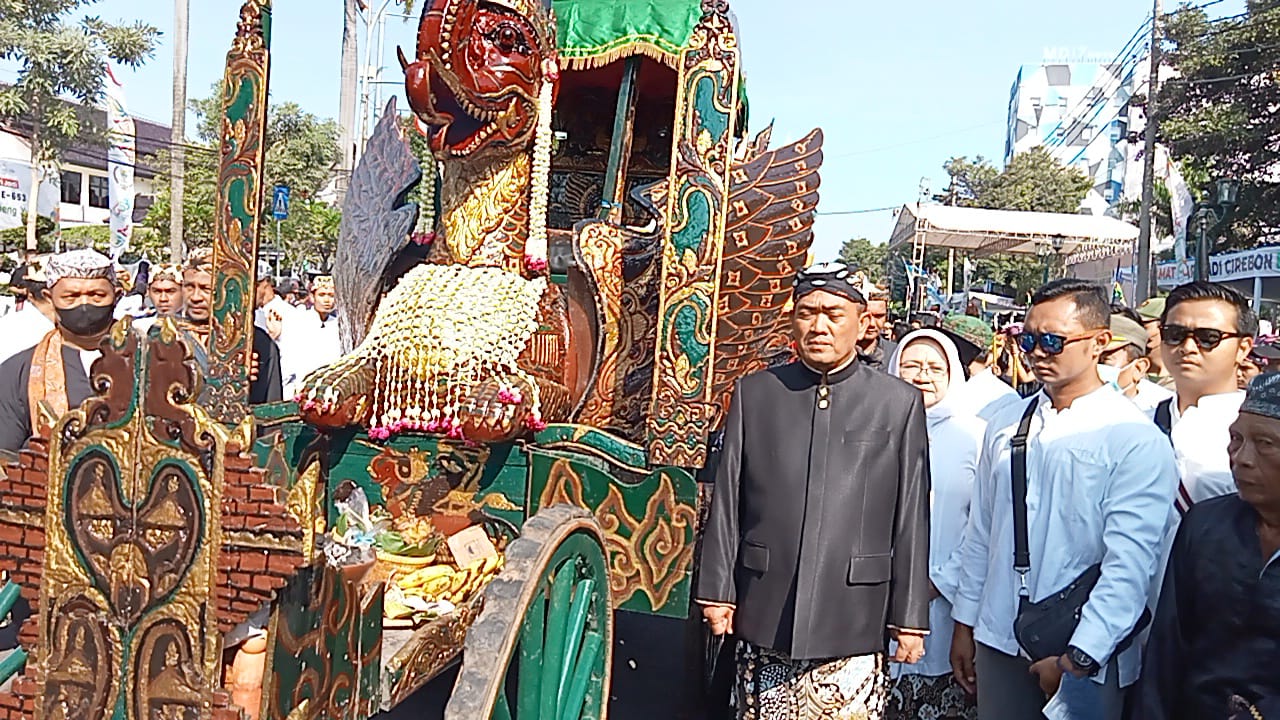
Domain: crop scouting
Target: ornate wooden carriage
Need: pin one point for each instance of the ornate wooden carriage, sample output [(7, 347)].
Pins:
[(166, 519)]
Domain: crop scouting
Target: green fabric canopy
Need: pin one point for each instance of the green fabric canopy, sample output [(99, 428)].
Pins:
[(594, 33)]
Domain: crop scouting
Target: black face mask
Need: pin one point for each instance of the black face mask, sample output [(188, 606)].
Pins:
[(86, 320)]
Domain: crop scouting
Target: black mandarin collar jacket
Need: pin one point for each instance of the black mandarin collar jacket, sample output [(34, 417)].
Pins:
[(819, 524)]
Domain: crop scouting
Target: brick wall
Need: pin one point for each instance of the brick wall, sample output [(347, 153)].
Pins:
[(23, 495), (261, 542)]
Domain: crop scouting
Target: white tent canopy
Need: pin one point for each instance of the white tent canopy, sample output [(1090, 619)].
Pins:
[(1080, 238)]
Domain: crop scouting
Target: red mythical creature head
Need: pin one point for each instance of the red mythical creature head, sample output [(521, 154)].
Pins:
[(479, 69)]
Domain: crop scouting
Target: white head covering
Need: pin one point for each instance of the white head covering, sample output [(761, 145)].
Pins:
[(83, 264), (955, 371)]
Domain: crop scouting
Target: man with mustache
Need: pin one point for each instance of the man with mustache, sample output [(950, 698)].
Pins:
[(817, 544), (197, 289), (39, 384)]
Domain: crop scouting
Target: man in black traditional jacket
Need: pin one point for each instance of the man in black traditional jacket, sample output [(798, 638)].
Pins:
[(816, 550), (1214, 650)]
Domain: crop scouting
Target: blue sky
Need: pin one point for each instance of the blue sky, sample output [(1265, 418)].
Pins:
[(897, 87)]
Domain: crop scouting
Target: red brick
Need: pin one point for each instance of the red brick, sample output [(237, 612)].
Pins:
[(9, 700), (266, 583), (241, 580), (253, 562), (10, 534), (23, 685), (262, 493)]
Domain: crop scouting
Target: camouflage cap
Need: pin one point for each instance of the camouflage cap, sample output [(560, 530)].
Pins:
[(1127, 332), (1151, 309), (969, 329)]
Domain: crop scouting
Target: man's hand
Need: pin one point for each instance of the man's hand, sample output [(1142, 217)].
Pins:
[(719, 617), (1049, 673), (962, 652), (253, 367), (910, 646), (934, 592), (275, 323)]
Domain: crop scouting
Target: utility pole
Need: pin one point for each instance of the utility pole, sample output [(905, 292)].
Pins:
[(1143, 288), (178, 131), (349, 90)]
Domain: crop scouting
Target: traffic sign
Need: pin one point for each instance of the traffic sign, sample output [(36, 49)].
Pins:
[(280, 203)]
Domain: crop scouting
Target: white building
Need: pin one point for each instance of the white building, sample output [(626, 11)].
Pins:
[(1077, 108), (80, 192)]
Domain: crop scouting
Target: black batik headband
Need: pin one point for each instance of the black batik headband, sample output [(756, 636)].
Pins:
[(833, 277)]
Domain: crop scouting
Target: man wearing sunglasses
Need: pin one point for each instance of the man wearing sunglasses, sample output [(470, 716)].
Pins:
[(1098, 476), (1206, 332)]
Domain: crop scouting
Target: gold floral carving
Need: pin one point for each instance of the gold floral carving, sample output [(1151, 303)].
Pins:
[(649, 555), (306, 504), (433, 647), (485, 213), (601, 247), (133, 532)]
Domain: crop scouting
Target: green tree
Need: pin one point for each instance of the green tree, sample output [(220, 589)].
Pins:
[(301, 152), (1219, 116), (1032, 181), (862, 254), (59, 60)]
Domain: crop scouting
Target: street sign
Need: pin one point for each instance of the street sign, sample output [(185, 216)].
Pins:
[(280, 203)]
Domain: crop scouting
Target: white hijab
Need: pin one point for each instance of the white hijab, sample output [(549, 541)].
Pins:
[(955, 371)]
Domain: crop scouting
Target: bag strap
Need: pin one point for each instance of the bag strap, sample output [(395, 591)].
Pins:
[(1164, 416), (1021, 551)]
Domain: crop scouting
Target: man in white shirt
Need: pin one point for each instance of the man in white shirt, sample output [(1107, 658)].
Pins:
[(165, 293), (22, 329), (1207, 330), (1127, 354), (273, 313), (313, 340), (1099, 477)]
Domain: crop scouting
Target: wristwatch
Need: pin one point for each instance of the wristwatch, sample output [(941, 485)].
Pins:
[(1082, 662)]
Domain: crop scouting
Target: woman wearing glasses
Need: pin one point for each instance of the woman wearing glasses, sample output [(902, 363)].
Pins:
[(930, 361)]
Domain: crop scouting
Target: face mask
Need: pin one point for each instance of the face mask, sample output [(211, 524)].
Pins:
[(1110, 376), (86, 320)]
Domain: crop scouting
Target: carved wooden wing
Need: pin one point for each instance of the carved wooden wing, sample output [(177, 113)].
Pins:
[(769, 230), (376, 224)]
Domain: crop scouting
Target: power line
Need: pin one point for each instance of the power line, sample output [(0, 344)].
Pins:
[(859, 212), (1131, 54)]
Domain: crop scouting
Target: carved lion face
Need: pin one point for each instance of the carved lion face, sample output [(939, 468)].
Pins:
[(479, 66)]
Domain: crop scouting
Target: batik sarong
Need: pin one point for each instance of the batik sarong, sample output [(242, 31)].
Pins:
[(921, 697), (772, 686)]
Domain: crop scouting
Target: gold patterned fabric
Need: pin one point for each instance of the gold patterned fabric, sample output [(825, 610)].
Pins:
[(772, 686)]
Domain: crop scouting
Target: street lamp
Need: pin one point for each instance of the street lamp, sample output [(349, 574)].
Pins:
[(1051, 250), (1209, 220)]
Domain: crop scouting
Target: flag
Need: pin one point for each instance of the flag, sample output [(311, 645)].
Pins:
[(1181, 204), (121, 157)]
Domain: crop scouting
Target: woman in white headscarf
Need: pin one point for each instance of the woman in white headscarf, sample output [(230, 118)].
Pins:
[(930, 361)]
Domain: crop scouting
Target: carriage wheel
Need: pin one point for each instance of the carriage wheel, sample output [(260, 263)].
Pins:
[(541, 648)]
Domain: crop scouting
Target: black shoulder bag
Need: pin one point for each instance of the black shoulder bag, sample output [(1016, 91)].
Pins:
[(1044, 629)]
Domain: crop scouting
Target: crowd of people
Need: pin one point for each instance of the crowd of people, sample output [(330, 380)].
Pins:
[(1104, 544), (66, 304), (1075, 517)]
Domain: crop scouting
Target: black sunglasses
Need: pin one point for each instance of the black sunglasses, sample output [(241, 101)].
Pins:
[(1206, 338), (1050, 343)]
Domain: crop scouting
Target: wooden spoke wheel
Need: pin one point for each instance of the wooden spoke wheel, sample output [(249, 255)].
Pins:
[(542, 646)]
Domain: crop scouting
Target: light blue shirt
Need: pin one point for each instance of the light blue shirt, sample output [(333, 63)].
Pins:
[(1100, 486)]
